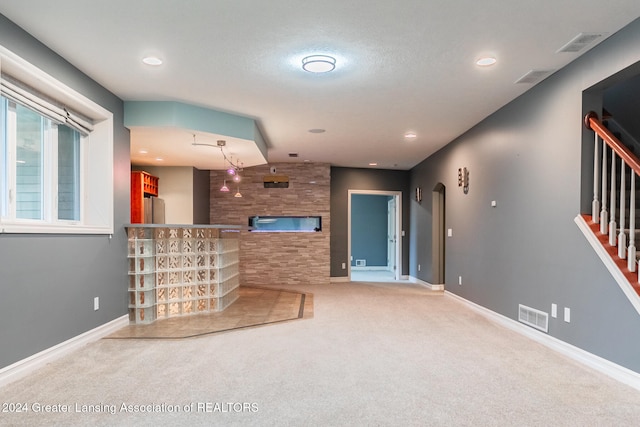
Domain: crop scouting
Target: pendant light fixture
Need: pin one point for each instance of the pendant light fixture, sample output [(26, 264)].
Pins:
[(232, 169)]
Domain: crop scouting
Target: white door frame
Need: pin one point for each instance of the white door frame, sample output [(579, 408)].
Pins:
[(398, 196)]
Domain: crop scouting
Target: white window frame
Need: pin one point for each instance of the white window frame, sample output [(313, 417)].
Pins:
[(96, 162)]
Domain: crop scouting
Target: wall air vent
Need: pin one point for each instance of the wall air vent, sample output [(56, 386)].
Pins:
[(534, 76), (534, 318), (276, 181), (579, 42)]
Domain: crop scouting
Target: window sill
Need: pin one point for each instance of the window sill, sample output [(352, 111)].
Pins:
[(52, 229)]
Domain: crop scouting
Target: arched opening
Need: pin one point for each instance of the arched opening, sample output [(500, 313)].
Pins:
[(438, 233)]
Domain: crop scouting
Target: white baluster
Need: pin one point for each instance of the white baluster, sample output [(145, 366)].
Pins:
[(622, 237), (595, 205), (612, 206), (631, 251), (603, 212)]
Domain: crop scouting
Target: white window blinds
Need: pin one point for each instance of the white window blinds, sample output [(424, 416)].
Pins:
[(21, 93)]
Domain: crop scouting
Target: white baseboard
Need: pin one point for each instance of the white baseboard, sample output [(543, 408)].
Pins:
[(615, 371), (427, 284), (343, 279), (26, 366), (370, 268)]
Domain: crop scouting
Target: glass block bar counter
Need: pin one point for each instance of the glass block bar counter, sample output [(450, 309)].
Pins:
[(180, 270)]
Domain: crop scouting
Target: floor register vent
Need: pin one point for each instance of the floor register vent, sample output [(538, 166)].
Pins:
[(534, 318)]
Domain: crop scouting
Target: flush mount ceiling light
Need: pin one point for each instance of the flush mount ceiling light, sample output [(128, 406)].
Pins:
[(318, 63), (410, 135), (152, 60), (486, 61)]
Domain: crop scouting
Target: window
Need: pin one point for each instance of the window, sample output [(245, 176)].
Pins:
[(47, 156), (56, 155), (286, 223)]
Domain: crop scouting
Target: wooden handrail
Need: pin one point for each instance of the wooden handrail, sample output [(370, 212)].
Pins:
[(592, 122)]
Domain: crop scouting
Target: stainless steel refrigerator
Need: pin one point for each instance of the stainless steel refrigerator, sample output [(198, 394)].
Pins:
[(153, 210)]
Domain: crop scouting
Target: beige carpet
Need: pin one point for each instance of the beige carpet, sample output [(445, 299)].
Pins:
[(373, 355)]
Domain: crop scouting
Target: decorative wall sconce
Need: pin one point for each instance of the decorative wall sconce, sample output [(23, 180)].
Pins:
[(418, 194), (463, 179)]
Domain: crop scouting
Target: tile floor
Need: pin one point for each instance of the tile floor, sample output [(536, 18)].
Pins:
[(254, 307)]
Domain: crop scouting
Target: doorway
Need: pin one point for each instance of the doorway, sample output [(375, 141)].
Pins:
[(382, 225), (438, 233)]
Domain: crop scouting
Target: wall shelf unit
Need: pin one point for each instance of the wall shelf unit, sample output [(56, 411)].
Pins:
[(143, 185)]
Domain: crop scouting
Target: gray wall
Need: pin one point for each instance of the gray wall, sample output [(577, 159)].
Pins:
[(201, 188), (369, 225), (623, 102), (345, 179), (528, 250), (48, 282)]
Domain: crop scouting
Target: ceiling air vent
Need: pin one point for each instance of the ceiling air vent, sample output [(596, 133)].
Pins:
[(579, 42), (534, 76), (534, 318)]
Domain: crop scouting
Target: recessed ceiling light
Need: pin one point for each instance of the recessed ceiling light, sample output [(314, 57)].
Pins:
[(317, 130), (318, 63), (486, 61), (159, 159), (373, 164), (152, 60), (143, 151), (410, 135)]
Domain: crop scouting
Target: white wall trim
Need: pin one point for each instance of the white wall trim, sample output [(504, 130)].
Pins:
[(399, 226), (343, 279), (26, 366), (615, 371), (370, 268), (427, 284), (620, 279)]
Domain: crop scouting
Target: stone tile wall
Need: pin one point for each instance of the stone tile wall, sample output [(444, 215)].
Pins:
[(278, 258)]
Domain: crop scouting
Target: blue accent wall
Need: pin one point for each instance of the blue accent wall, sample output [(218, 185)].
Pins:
[(187, 116), (369, 229)]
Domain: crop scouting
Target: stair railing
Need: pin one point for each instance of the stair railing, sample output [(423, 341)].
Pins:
[(599, 209)]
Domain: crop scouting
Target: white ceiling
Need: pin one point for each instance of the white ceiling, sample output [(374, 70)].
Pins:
[(401, 65)]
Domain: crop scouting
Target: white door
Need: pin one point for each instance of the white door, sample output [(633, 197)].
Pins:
[(392, 238)]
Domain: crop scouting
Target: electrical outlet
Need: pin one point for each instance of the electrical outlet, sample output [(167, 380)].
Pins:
[(567, 314), (459, 280), (96, 303), (554, 310), (344, 265)]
